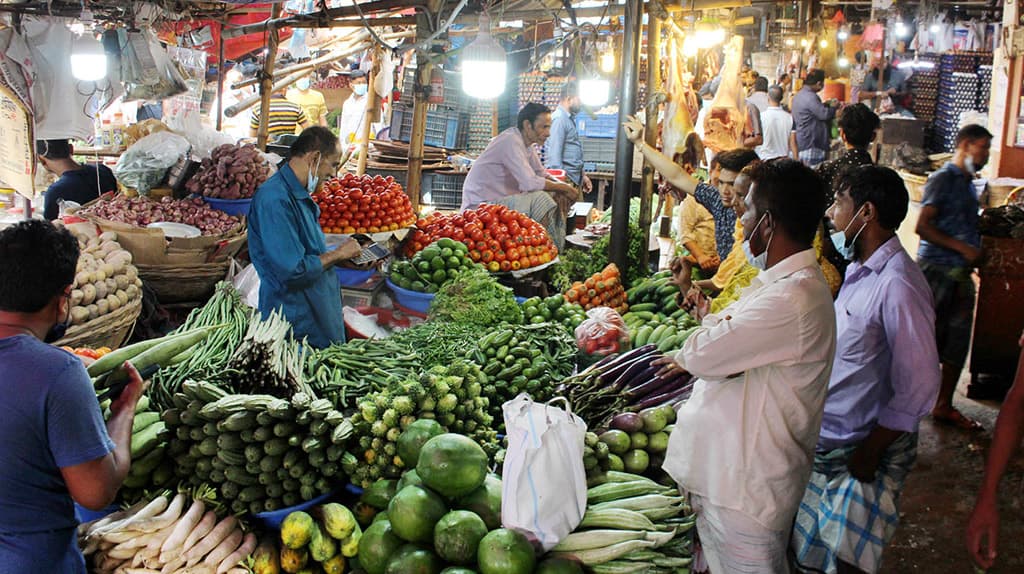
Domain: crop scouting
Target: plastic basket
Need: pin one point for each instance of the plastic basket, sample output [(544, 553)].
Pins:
[(444, 129), (446, 190), (412, 300), (230, 206), (604, 126), (273, 520), (349, 277)]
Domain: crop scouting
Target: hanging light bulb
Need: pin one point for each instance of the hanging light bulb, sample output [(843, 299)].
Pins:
[(901, 29), (608, 61), (88, 60), (843, 34), (803, 42), (594, 91), (934, 29), (844, 62), (483, 64), (823, 44), (790, 42), (690, 46)]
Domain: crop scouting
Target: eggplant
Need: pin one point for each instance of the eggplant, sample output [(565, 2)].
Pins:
[(612, 374), (629, 422), (604, 361), (652, 386), (638, 366), (640, 378), (664, 398)]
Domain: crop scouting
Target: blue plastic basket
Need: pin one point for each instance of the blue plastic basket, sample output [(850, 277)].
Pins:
[(230, 206), (414, 300), (350, 277), (274, 519), (603, 126)]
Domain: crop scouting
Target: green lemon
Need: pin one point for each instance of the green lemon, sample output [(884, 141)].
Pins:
[(437, 263)]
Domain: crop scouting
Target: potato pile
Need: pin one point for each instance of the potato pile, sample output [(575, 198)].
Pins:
[(231, 172), (105, 279)]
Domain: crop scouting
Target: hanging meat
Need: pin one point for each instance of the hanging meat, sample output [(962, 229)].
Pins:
[(678, 121), (723, 124)]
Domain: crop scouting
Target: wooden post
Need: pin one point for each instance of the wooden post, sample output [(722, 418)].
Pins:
[(220, 80), (651, 133), (267, 82), (419, 132), (372, 105)]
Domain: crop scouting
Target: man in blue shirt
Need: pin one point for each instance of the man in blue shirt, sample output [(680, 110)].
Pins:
[(287, 245), (811, 119), (884, 380), (78, 183), (54, 444), (950, 249), (563, 149)]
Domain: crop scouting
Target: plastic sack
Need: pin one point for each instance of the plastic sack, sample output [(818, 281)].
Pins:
[(543, 482), (602, 333), (246, 282), (204, 140), (144, 165), (147, 72)]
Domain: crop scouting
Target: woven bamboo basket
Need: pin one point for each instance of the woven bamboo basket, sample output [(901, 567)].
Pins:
[(183, 283), (915, 185), (110, 330)]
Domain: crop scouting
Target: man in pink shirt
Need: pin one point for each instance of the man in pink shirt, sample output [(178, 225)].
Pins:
[(509, 172)]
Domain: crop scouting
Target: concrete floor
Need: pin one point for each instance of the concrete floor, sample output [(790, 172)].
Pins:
[(939, 496)]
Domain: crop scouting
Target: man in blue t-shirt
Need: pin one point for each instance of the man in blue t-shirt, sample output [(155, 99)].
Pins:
[(77, 182), (54, 445), (950, 250)]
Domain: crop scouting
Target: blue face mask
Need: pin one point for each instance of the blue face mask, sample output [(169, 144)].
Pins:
[(312, 180), (359, 89), (302, 84), (759, 262), (843, 247)]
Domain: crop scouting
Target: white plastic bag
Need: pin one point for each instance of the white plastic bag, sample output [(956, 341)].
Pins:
[(543, 483), (247, 283), (144, 165)]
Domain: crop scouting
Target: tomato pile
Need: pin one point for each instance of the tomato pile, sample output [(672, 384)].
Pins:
[(602, 289), (367, 204), (500, 238)]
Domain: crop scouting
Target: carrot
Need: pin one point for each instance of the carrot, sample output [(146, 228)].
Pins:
[(245, 549), (226, 548)]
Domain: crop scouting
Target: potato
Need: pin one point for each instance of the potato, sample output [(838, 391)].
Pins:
[(113, 302), (76, 297), (103, 306), (94, 311), (122, 296), (138, 283), (99, 276), (101, 290), (107, 236), (132, 291), (132, 272), (88, 294), (79, 315), (108, 246), (111, 285), (121, 280), (107, 269), (83, 278)]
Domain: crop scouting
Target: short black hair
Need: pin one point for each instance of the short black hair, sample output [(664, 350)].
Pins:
[(736, 159), (54, 149), (972, 132), (530, 113), (794, 194), (37, 263), (859, 124), (882, 186), (814, 76), (570, 88), (314, 138), (775, 94), (761, 84)]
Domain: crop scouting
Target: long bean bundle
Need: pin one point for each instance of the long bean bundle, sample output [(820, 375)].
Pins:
[(343, 373), (208, 360), (269, 360)]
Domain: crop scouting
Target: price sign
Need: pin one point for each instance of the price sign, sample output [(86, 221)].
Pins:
[(17, 164)]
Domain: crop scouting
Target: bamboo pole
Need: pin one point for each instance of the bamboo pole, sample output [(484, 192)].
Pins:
[(317, 19), (220, 81), (419, 132), (267, 81), (352, 45), (651, 134), (372, 105)]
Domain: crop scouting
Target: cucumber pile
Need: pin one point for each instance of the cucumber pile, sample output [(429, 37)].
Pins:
[(151, 467), (263, 453), (656, 294), (665, 333)]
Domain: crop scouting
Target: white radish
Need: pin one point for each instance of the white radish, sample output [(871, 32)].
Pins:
[(155, 507), (173, 566), (184, 526), (136, 570), (226, 548), (215, 537), (202, 529), (245, 549), (169, 516)]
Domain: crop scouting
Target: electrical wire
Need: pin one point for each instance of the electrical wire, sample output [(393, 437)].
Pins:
[(442, 27)]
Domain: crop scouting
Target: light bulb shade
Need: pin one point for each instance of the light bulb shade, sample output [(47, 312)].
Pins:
[(594, 92), (844, 62), (483, 64), (88, 60)]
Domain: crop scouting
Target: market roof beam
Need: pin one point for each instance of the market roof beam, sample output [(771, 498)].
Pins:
[(319, 19)]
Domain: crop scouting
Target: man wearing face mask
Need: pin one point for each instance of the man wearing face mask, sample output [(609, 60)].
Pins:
[(743, 443), (885, 378), (287, 245), (353, 111), (55, 446), (311, 101), (563, 149), (950, 249)]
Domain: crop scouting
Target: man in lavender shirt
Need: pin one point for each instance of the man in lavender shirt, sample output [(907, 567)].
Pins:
[(509, 172), (885, 378)]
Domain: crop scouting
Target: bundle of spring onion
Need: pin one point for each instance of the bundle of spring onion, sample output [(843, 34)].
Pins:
[(268, 360), (208, 359), (167, 535), (343, 373)]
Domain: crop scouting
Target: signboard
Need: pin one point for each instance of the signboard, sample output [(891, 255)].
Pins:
[(17, 164)]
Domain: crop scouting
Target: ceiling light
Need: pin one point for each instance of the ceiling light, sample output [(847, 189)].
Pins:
[(483, 64), (594, 91), (823, 44), (88, 60), (608, 62), (844, 62), (790, 42), (843, 35)]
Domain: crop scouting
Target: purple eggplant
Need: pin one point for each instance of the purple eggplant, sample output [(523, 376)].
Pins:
[(612, 374), (641, 377), (640, 365), (628, 422), (666, 397), (601, 364)]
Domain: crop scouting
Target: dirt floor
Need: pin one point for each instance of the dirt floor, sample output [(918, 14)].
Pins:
[(939, 496)]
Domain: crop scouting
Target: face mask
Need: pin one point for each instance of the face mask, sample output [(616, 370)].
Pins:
[(57, 331), (839, 239), (969, 165), (759, 262), (574, 109), (359, 89), (302, 84), (312, 180)]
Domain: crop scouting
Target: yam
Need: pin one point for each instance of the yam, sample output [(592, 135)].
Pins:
[(88, 293), (113, 302), (102, 306)]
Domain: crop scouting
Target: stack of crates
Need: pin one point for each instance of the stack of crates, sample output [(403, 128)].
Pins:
[(448, 130), (597, 135), (445, 191)]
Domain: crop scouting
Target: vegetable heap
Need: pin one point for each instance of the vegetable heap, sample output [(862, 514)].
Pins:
[(656, 293), (162, 536), (501, 238), (263, 453), (105, 279), (367, 204), (151, 467), (477, 298), (554, 308), (602, 289), (269, 360), (141, 211), (345, 372), (231, 172), (451, 395), (325, 536), (437, 264), (636, 443)]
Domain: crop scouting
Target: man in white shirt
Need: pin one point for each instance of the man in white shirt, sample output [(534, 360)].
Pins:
[(743, 445), (776, 125), (353, 111)]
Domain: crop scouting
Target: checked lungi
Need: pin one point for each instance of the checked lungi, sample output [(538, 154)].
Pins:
[(843, 518), (812, 157)]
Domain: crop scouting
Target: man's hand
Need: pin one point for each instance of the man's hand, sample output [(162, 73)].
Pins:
[(669, 367), (696, 303), (666, 188), (347, 250), (586, 184), (708, 263), (863, 465), (983, 531), (682, 274), (973, 255), (634, 129), (129, 397)]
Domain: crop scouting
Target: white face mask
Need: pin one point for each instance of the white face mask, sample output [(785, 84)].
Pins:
[(843, 247), (969, 165), (759, 262), (302, 84), (312, 180)]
